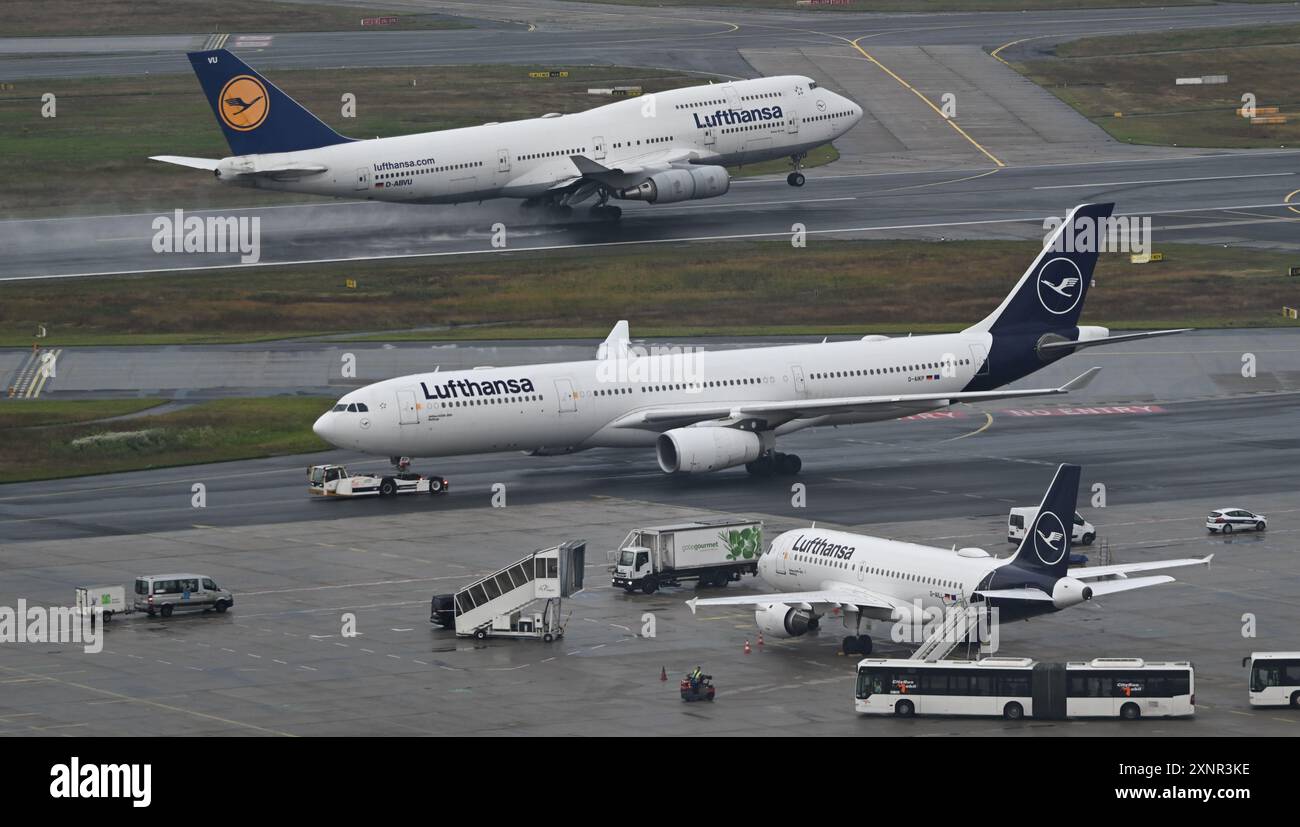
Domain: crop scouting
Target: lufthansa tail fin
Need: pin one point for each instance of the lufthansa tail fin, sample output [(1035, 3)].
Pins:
[(1050, 295), (1046, 546), (255, 116)]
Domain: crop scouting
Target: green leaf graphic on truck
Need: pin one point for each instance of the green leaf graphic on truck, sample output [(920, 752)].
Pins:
[(745, 543)]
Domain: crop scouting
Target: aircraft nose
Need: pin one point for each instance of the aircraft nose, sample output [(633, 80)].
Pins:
[(323, 429)]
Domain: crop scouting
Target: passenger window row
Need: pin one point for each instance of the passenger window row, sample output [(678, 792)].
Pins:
[(841, 374)]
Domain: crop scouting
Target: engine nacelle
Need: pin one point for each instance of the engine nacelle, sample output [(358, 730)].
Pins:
[(674, 185), (779, 620), (1070, 592), (695, 450)]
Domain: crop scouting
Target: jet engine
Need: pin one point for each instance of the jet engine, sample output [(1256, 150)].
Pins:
[(779, 620), (1070, 592), (680, 184), (695, 450)]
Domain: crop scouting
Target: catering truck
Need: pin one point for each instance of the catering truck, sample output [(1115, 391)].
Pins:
[(713, 552)]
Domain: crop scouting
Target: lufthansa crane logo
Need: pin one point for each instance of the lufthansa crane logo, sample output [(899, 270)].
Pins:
[(1050, 539), (1060, 285), (243, 103)]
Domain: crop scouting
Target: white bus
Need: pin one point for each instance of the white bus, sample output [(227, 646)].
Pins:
[(1013, 688), (1274, 678)]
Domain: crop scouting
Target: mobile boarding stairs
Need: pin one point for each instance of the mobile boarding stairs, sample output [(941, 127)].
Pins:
[(499, 604)]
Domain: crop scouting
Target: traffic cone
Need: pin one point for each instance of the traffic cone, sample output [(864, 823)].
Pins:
[(663, 673), (747, 649), (760, 640)]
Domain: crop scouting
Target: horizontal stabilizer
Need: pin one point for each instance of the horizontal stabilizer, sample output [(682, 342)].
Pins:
[(1112, 586), (1125, 569), (209, 164), (1015, 594), (1048, 347)]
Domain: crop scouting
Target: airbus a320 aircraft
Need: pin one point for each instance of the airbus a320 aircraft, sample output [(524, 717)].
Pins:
[(675, 147), (873, 578), (734, 408)]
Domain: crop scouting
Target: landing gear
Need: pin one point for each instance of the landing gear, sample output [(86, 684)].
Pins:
[(796, 179), (606, 212), (775, 463), (857, 645)]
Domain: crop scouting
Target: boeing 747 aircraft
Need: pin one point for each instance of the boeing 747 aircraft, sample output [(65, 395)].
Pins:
[(666, 147), (871, 578), (730, 408)]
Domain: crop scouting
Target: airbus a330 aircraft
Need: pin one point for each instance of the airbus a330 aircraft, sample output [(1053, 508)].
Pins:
[(870, 578), (732, 410), (675, 147)]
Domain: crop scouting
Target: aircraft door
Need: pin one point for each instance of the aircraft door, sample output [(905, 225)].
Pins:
[(406, 408), (363, 179), (567, 396), (503, 160), (598, 148), (799, 387), (710, 136), (980, 356), (792, 123), (780, 561)]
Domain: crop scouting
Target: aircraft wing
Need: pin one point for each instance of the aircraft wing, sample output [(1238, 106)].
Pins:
[(633, 170), (1125, 569), (843, 595), (779, 412)]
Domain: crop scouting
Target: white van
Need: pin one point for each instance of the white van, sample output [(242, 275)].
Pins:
[(166, 593), (1083, 534)]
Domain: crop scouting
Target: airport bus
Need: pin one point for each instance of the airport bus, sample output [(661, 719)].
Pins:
[(1013, 688), (1274, 678)]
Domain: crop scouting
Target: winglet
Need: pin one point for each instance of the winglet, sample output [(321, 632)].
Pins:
[(1081, 381), (1208, 559), (691, 603), (615, 344)]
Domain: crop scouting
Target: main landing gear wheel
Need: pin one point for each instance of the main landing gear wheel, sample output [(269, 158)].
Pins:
[(796, 179), (606, 212), (775, 463)]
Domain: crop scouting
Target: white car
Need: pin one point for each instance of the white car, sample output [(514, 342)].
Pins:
[(1228, 520)]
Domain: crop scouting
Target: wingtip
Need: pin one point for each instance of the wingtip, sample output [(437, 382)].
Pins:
[(691, 604), (1082, 380)]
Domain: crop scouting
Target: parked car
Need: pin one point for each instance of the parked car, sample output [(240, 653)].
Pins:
[(1228, 520)]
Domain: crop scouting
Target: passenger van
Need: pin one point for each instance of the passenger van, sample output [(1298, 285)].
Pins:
[(166, 593), (1082, 534)]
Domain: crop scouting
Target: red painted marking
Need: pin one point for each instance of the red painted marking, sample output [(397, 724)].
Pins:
[(1093, 410)]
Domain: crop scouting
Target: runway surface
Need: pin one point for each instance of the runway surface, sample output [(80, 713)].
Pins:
[(1225, 198)]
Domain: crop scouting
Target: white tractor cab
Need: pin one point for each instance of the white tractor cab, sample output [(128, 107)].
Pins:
[(167, 593), (335, 481), (1083, 534)]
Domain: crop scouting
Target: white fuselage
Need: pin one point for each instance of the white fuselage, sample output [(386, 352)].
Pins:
[(815, 559), (716, 124), (564, 407)]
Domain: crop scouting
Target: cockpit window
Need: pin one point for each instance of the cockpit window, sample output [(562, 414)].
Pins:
[(352, 408), (361, 408), (339, 407), (812, 84)]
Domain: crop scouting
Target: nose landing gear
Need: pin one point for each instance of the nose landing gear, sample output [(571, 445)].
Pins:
[(796, 179)]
